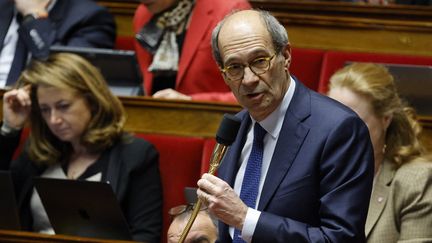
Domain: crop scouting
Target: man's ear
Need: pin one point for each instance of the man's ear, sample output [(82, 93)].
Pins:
[(287, 54)]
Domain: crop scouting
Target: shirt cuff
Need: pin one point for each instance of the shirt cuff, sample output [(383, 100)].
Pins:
[(249, 224), (7, 130)]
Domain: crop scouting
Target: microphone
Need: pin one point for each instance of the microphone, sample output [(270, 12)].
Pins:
[(225, 136)]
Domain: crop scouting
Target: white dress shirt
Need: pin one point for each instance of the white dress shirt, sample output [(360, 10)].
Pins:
[(8, 51), (272, 124)]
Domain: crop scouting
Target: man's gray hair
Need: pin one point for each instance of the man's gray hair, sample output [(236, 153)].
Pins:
[(276, 30)]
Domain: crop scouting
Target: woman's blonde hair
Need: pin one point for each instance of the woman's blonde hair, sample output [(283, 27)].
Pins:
[(375, 82), (71, 72)]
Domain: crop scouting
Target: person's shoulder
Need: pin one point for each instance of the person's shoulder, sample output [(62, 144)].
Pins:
[(134, 143), (414, 171), (133, 148), (411, 184)]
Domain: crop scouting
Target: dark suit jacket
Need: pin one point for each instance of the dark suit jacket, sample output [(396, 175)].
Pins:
[(133, 172), (198, 74), (318, 185), (70, 23)]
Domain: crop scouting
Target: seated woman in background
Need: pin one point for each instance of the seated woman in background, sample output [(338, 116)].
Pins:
[(76, 132), (401, 203)]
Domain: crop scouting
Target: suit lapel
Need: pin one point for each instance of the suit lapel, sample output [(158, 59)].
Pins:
[(114, 168), (5, 19), (292, 134), (200, 22), (379, 196), (58, 12)]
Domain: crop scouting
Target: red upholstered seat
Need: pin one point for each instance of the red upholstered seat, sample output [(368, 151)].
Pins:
[(306, 66), (125, 43), (180, 166), (334, 60)]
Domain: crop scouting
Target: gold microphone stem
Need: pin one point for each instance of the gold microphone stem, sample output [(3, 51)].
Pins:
[(216, 158)]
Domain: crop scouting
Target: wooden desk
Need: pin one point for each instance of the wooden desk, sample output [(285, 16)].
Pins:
[(7, 236), (183, 118)]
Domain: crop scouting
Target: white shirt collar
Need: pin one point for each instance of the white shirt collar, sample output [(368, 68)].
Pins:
[(273, 122)]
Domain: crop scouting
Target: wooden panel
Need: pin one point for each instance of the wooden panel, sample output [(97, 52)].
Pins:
[(123, 12), (361, 40), (30, 237), (185, 118), (333, 25)]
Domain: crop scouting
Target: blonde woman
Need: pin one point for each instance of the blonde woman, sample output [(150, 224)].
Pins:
[(400, 208), (77, 133)]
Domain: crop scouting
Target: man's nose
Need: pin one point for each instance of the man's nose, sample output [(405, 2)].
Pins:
[(249, 77)]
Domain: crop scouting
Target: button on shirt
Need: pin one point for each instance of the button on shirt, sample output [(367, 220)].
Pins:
[(272, 124)]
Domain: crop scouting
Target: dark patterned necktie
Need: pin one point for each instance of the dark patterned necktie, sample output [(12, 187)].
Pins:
[(251, 179)]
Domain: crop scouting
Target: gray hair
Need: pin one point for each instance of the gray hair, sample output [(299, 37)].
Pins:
[(276, 30)]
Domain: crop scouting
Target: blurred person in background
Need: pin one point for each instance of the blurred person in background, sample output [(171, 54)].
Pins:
[(400, 209), (173, 48), (28, 28)]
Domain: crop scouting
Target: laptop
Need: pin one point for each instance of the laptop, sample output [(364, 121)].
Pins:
[(82, 208), (119, 67), (9, 218)]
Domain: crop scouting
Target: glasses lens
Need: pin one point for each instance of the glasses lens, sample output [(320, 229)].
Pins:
[(177, 210), (260, 65), (234, 72), (184, 208)]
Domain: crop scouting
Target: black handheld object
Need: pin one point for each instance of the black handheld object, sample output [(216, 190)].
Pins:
[(228, 129), (225, 136)]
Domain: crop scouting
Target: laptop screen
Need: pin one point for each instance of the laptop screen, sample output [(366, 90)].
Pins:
[(82, 208), (119, 67)]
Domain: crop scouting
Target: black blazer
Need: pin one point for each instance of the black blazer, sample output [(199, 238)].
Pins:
[(133, 172), (80, 23)]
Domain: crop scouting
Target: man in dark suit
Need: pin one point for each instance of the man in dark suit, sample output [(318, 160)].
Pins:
[(301, 167), (28, 28)]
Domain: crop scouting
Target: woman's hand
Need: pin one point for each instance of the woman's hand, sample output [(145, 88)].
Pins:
[(16, 107)]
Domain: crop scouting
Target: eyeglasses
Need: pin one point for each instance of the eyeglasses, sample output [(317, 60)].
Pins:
[(175, 211), (258, 66)]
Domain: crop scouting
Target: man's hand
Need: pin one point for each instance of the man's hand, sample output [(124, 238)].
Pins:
[(222, 201), (16, 107), (171, 94), (26, 7)]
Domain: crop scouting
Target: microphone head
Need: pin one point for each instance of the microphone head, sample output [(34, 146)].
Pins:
[(228, 129)]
